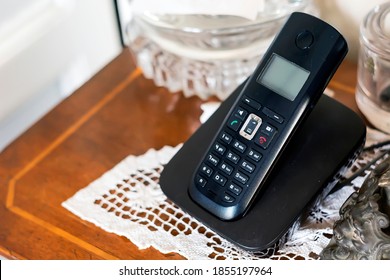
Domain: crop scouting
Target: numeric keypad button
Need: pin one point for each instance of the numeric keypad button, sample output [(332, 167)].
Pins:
[(234, 188), (212, 159), (232, 157), (206, 170), (226, 168), (247, 166), (226, 137), (239, 146), (221, 180), (241, 177), (254, 155), (220, 149)]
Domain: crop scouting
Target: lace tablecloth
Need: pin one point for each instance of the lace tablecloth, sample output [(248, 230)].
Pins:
[(127, 200)]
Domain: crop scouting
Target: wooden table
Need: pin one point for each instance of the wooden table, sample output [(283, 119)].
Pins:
[(117, 113)]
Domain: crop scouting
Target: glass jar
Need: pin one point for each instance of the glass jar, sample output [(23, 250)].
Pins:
[(206, 55), (373, 86)]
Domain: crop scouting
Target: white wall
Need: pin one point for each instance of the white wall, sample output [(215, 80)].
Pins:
[(48, 48), (346, 16)]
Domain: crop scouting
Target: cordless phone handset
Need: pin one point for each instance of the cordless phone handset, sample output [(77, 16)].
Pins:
[(280, 93)]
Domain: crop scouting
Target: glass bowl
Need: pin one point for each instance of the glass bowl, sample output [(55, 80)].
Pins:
[(206, 55)]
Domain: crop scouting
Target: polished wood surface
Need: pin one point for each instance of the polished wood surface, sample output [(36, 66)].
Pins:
[(115, 114)]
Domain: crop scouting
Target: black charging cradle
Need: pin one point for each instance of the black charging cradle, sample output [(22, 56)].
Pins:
[(328, 140)]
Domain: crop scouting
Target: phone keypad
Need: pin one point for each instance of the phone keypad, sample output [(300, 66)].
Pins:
[(226, 171)]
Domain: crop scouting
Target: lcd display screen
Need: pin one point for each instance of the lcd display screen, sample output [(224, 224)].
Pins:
[(283, 77)]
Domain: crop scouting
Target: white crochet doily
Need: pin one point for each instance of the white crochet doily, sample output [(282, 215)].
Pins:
[(127, 200)]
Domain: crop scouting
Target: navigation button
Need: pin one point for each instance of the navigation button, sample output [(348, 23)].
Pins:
[(250, 127)]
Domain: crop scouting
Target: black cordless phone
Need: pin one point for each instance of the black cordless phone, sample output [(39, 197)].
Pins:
[(280, 93)]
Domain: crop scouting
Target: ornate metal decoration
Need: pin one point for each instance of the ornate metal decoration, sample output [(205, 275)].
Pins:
[(363, 231)]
